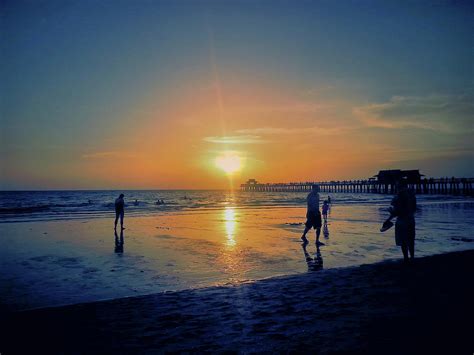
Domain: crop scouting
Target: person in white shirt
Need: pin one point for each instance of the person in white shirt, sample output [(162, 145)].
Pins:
[(313, 216)]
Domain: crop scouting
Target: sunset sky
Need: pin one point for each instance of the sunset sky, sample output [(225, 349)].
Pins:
[(158, 94)]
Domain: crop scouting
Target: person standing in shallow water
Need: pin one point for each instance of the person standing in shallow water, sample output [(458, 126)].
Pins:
[(119, 210), (404, 208), (313, 216)]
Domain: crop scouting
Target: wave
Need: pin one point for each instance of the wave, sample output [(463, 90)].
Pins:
[(28, 209), (52, 205)]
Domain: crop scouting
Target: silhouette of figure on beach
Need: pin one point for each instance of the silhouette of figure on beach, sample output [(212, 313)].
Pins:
[(404, 208), (119, 242), (119, 210), (313, 216), (325, 210), (136, 203), (316, 263)]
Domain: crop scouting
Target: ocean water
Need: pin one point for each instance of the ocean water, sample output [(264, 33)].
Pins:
[(59, 247), (27, 206)]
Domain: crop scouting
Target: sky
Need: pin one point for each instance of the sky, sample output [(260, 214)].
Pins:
[(207, 94)]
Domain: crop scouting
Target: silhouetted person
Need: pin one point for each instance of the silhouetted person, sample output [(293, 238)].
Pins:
[(135, 203), (404, 208), (119, 242), (316, 263), (325, 210), (119, 210), (313, 216), (329, 199)]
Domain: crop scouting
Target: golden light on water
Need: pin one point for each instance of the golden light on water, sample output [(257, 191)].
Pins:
[(229, 162), (230, 226)]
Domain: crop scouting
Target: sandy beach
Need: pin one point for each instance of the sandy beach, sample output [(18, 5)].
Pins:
[(55, 263), (233, 279), (384, 308)]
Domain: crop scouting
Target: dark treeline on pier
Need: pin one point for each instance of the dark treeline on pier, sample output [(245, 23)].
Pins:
[(384, 182)]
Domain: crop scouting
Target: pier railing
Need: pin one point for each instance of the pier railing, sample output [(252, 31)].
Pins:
[(443, 186)]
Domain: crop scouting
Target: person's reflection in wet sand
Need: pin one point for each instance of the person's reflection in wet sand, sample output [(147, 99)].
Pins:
[(326, 230), (119, 242), (316, 263)]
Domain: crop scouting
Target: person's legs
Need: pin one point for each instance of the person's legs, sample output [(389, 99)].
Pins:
[(405, 252), (303, 237), (411, 248), (121, 219), (317, 227), (307, 226)]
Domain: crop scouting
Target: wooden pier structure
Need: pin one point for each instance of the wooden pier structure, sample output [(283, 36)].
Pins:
[(440, 186)]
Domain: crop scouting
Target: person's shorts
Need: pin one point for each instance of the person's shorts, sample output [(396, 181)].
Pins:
[(313, 220), (119, 213), (404, 231)]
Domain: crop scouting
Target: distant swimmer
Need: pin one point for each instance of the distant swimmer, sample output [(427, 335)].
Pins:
[(119, 210), (313, 216), (159, 202), (135, 203)]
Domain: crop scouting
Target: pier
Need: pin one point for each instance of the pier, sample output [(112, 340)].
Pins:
[(438, 186)]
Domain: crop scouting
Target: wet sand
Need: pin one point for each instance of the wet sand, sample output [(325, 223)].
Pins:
[(387, 307), (54, 263)]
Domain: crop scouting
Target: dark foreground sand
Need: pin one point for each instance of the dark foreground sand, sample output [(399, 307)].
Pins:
[(382, 308)]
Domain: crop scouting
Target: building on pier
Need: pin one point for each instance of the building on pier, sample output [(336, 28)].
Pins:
[(391, 177)]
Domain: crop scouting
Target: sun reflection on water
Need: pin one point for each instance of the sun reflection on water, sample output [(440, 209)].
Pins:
[(230, 226)]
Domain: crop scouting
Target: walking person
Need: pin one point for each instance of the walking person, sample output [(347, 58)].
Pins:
[(325, 210), (313, 216), (404, 208), (119, 210)]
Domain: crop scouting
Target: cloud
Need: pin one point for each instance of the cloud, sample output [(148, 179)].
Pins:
[(442, 113), (240, 139), (296, 131), (105, 155)]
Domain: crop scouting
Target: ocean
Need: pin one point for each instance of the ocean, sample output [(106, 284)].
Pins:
[(27, 206), (59, 247)]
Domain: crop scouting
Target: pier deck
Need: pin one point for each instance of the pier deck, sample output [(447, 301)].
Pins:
[(443, 186)]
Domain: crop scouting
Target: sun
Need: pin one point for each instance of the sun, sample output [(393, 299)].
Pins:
[(229, 162)]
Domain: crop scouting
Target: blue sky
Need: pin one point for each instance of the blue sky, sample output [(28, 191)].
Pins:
[(79, 77)]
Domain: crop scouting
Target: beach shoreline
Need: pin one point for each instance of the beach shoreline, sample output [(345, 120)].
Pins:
[(387, 307), (54, 263)]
